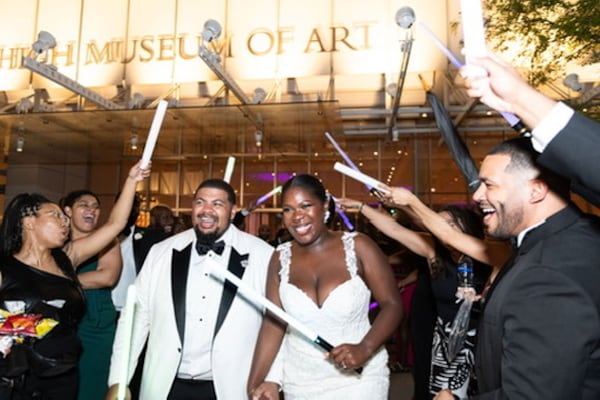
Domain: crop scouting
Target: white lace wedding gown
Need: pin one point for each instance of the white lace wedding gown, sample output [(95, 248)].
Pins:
[(343, 318)]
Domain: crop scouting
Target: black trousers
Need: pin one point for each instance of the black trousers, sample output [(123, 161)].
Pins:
[(188, 389)]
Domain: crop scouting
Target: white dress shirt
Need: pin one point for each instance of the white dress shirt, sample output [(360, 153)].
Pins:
[(203, 297), (550, 125)]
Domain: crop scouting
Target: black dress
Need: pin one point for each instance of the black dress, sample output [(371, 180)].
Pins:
[(456, 374), (421, 323), (43, 368)]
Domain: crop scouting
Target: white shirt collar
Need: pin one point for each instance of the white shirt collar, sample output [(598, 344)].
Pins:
[(522, 234)]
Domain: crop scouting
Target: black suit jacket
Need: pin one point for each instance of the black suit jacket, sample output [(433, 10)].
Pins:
[(539, 337), (574, 153)]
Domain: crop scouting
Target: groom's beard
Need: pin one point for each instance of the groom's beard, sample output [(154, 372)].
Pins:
[(207, 238)]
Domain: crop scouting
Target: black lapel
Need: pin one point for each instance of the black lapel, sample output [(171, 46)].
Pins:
[(530, 239), (180, 265), (508, 264), (229, 289)]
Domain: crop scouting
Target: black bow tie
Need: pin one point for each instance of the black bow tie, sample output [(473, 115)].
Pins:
[(204, 248)]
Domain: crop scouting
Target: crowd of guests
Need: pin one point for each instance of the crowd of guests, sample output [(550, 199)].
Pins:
[(533, 330)]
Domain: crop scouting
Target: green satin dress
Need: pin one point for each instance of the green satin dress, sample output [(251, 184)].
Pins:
[(96, 332)]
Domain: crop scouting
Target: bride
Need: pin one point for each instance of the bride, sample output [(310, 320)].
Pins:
[(326, 280)]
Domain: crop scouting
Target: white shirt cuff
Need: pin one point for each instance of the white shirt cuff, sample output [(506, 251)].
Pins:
[(550, 126)]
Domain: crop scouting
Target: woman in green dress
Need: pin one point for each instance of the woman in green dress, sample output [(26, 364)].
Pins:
[(97, 276)]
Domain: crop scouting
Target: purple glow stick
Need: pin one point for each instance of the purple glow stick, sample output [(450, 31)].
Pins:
[(343, 216), (264, 197), (512, 119), (344, 156), (455, 61), (342, 153)]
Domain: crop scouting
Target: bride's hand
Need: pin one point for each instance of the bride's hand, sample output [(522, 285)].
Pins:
[(265, 391), (349, 356)]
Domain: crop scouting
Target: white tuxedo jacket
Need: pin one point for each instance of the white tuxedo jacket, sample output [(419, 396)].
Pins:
[(161, 286)]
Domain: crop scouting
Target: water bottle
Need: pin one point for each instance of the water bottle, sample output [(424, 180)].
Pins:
[(465, 273), (460, 324)]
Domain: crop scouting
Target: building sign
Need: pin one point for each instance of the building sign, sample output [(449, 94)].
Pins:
[(106, 42)]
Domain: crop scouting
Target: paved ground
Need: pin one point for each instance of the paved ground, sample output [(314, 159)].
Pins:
[(401, 386)]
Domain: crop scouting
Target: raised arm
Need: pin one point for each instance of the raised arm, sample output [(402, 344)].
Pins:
[(81, 249), (378, 276), (108, 270), (440, 228), (269, 340), (420, 244)]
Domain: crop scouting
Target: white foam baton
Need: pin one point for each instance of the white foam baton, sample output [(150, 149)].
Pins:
[(128, 313), (268, 195), (159, 115), (251, 294), (473, 34), (229, 169), (359, 176)]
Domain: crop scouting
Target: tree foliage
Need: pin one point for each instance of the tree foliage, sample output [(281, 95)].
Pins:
[(547, 33)]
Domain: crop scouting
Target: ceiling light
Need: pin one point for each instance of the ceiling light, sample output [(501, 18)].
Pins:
[(258, 135), (20, 143), (134, 141), (212, 30), (395, 134), (405, 17), (137, 101), (24, 105), (259, 95), (391, 89), (292, 86), (44, 42), (572, 82)]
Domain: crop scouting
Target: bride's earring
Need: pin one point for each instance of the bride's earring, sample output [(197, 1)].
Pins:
[(327, 214)]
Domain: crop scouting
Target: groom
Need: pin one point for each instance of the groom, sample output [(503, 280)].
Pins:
[(201, 335)]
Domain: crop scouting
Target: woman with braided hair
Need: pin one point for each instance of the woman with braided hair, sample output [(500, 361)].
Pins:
[(37, 277)]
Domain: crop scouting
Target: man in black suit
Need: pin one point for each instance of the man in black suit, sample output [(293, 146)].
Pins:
[(539, 337), (568, 140)]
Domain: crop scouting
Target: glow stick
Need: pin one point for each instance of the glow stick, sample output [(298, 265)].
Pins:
[(220, 272), (264, 197), (370, 188), (359, 176), (159, 115), (512, 119), (224, 274), (128, 313), (342, 153), (343, 215), (473, 34), (229, 169), (455, 61)]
